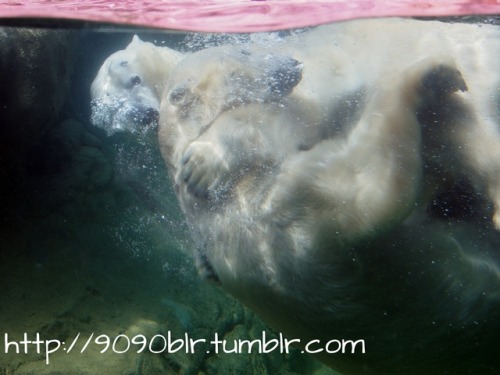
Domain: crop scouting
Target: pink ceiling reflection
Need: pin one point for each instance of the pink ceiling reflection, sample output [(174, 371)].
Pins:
[(236, 15)]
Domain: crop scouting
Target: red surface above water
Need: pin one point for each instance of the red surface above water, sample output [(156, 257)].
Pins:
[(236, 15)]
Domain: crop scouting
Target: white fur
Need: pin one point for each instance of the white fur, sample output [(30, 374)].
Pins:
[(298, 205), (306, 205)]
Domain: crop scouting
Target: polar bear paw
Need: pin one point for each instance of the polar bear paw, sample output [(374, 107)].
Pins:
[(204, 169), (442, 78)]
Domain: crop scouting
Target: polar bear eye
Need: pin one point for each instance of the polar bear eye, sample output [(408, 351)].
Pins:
[(135, 80), (123, 63), (177, 94)]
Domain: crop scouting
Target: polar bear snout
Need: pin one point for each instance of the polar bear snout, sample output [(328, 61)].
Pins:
[(117, 113)]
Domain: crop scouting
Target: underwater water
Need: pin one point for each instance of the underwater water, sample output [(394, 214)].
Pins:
[(332, 183)]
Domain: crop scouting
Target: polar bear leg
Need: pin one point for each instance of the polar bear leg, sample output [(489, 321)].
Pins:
[(371, 181)]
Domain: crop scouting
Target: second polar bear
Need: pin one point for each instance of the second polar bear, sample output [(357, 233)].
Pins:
[(309, 225), (126, 92)]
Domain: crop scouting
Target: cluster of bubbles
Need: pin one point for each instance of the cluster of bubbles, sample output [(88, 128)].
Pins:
[(198, 41), (117, 114)]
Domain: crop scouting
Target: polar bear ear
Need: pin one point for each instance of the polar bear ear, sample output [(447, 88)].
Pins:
[(179, 95), (135, 39)]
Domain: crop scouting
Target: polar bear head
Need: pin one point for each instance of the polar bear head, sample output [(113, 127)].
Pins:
[(126, 91), (217, 79)]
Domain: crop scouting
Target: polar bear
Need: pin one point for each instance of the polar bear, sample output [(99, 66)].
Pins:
[(309, 219), (302, 168), (127, 90)]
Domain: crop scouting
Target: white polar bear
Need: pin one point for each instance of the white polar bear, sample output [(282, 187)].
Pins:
[(313, 230), (302, 168), (127, 90)]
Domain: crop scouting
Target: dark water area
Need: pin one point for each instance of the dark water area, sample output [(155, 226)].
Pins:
[(95, 248)]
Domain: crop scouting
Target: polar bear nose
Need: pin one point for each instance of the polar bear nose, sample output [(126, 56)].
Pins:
[(286, 76), (135, 80)]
